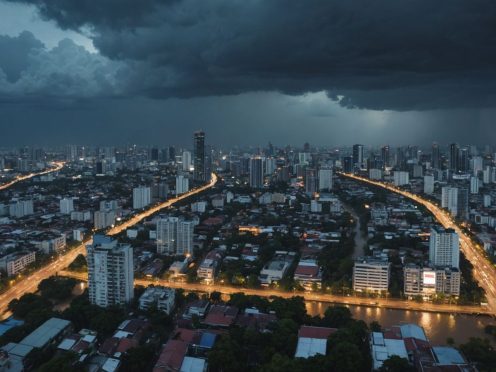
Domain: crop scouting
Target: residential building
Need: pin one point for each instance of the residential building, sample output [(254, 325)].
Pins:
[(141, 197), (429, 184), (15, 263), (66, 205), (209, 266), (308, 274), (182, 184), (21, 208), (103, 219), (164, 299), (110, 272), (444, 248), (401, 178), (274, 270), (325, 179), (256, 172), (175, 236)]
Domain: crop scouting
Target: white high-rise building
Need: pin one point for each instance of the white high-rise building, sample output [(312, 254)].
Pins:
[(270, 166), (175, 236), (449, 199), (476, 164), (186, 161), (110, 272), (401, 178), (182, 184), (444, 248), (486, 200), (474, 185), (428, 184), (141, 197), (487, 175), (325, 179), (21, 208), (103, 219), (66, 205)]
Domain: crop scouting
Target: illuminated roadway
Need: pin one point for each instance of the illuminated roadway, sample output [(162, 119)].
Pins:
[(58, 165), (484, 271), (308, 296), (30, 283)]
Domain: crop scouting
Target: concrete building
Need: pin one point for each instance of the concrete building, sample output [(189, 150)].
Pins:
[(21, 208), (375, 174), (325, 179), (308, 274), (103, 219), (175, 236), (186, 161), (141, 197), (475, 184), (15, 263), (163, 298), (428, 184), (66, 205), (256, 172), (401, 178), (426, 281), (209, 266), (275, 269), (110, 272), (371, 275), (182, 184), (444, 248), (455, 200)]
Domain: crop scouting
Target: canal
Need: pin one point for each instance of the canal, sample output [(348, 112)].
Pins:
[(437, 326)]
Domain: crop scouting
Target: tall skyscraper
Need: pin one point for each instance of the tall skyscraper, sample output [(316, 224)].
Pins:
[(444, 248), (464, 160), (175, 236), (357, 156), (311, 181), (199, 156), (455, 199), (454, 157), (182, 184), (256, 172), (141, 197), (385, 156), (436, 156), (186, 160), (110, 272), (66, 205), (348, 164)]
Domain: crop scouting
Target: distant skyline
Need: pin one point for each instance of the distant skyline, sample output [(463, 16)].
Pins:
[(324, 71)]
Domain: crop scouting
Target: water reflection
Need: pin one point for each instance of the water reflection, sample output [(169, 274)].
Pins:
[(437, 326)]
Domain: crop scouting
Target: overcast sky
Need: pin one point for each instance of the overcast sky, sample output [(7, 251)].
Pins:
[(328, 72)]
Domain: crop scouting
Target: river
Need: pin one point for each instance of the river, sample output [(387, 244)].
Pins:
[(437, 326)]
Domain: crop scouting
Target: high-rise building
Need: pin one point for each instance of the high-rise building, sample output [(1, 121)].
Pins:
[(428, 184), (449, 199), (325, 179), (454, 157), (199, 174), (141, 197), (436, 157), (182, 184), (385, 156), (21, 208), (464, 160), (474, 185), (66, 205), (186, 160), (103, 219), (358, 156), (256, 172), (444, 248), (401, 178), (175, 236), (110, 272), (270, 166), (348, 164), (154, 154), (311, 181)]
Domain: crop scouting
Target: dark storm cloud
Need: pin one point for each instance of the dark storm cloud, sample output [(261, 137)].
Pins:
[(383, 54)]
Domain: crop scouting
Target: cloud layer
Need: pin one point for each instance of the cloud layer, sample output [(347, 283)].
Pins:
[(394, 55)]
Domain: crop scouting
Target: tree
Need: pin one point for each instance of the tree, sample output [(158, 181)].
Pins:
[(79, 264), (215, 297), (336, 317), (481, 352), (396, 364), (57, 288), (227, 355), (138, 359), (375, 326), (346, 357)]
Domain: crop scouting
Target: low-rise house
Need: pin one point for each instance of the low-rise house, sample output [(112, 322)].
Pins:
[(161, 297)]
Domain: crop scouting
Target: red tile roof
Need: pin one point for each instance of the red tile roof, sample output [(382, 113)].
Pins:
[(316, 332), (172, 356)]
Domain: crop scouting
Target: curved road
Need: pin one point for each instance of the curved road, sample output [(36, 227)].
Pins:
[(308, 296), (30, 283), (484, 271), (58, 165)]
